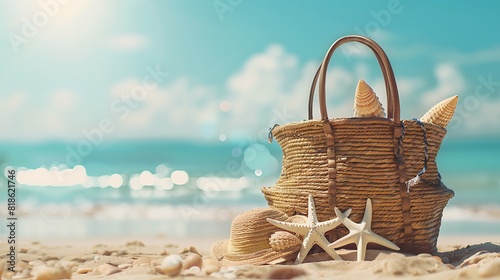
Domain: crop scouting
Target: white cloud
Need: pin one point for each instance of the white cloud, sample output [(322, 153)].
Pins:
[(490, 55), (58, 115), (408, 88), (181, 109), (128, 42), (12, 109), (355, 49), (63, 99), (449, 82), (14, 102), (264, 74), (409, 85), (271, 87), (261, 82), (479, 116), (27, 120), (262, 95)]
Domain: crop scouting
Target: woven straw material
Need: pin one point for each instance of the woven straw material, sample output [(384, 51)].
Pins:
[(249, 240), (365, 168)]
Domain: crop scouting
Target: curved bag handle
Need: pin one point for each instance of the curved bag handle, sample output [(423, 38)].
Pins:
[(393, 110), (390, 113)]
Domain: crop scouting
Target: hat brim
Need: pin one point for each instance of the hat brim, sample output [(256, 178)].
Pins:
[(265, 256)]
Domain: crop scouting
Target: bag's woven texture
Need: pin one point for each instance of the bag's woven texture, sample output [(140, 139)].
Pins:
[(365, 167)]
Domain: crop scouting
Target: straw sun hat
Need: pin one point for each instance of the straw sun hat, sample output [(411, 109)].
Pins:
[(249, 240)]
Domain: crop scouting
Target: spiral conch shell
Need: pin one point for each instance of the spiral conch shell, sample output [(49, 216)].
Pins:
[(366, 103), (283, 240), (442, 112)]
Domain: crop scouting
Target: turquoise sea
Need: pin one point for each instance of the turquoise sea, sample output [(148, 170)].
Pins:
[(182, 189)]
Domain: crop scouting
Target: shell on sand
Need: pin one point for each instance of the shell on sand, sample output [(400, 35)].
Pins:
[(366, 103), (191, 260), (171, 265), (442, 112), (282, 240)]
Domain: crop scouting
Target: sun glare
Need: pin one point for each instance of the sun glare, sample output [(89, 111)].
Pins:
[(62, 22)]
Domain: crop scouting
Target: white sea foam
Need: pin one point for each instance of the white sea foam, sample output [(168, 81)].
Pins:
[(484, 213), (55, 176)]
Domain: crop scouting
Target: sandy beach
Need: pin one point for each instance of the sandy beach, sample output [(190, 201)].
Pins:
[(233, 139), (459, 257)]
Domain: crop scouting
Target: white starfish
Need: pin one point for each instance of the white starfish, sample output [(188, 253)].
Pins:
[(313, 231), (361, 234)]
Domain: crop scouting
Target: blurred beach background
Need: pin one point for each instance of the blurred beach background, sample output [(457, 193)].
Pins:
[(150, 118)]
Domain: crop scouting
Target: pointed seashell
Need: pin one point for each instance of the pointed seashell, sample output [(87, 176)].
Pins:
[(282, 240), (442, 112), (366, 103)]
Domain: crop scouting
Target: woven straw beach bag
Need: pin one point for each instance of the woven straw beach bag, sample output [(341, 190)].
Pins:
[(344, 161)]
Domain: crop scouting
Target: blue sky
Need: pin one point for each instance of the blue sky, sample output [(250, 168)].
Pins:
[(234, 67)]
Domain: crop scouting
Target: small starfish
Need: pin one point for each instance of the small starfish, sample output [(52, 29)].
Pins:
[(361, 234), (313, 231)]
